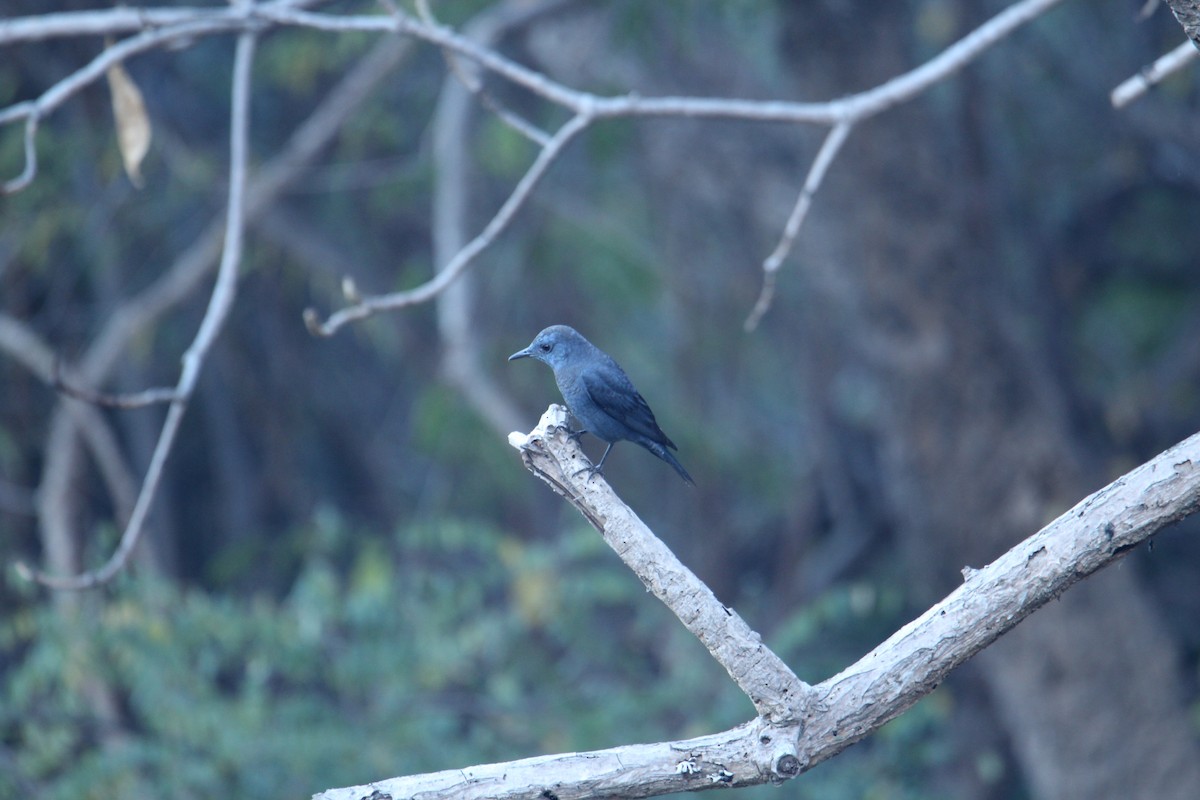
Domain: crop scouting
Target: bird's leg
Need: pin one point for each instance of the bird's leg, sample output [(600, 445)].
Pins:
[(597, 469), (600, 466)]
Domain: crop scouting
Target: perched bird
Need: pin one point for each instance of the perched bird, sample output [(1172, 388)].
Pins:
[(599, 394)]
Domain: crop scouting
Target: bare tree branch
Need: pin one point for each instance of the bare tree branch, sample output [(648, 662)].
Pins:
[(366, 306), (451, 225), (113, 21), (846, 708), (140, 399), (584, 105), (220, 302), (32, 111), (1132, 88), (28, 349), (1187, 12), (141, 311), (29, 171), (829, 149), (485, 28), (159, 26), (551, 453), (836, 113)]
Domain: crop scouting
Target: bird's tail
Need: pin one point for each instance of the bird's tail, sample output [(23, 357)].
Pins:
[(667, 456)]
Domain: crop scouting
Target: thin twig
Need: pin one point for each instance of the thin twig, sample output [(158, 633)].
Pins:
[(146, 397), (29, 171), (846, 110), (816, 173), (124, 19), (30, 350), (470, 80), (33, 110), (276, 175), (159, 27), (95, 69), (139, 312), (219, 304), (367, 306), (843, 112), (1134, 87)]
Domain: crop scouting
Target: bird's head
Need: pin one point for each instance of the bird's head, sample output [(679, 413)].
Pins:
[(553, 346)]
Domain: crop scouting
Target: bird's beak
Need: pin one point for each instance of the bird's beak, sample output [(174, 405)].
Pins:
[(520, 354)]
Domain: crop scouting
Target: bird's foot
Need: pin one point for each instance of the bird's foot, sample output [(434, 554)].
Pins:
[(591, 470), (574, 435)]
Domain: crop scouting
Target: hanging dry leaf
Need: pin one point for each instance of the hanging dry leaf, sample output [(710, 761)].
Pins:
[(133, 124)]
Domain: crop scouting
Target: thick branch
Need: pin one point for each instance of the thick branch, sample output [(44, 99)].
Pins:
[(851, 705), (1100, 529), (1187, 12), (777, 694), (729, 759)]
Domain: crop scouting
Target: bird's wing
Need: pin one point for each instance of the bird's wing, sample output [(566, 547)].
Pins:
[(613, 392)]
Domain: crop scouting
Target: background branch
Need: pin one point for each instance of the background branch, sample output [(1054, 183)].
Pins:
[(842, 114), (1132, 88), (133, 317), (585, 106), (220, 302), (369, 305)]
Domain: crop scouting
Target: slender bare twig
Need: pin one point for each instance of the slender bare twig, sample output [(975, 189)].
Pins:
[(366, 306), (219, 304), (29, 171), (146, 397), (586, 107), (159, 27), (816, 173), (30, 350), (123, 19), (33, 110), (1134, 87), (837, 113), (850, 109), (469, 76), (137, 313), (854, 107)]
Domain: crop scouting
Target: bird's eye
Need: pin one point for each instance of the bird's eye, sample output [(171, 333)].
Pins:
[(545, 348)]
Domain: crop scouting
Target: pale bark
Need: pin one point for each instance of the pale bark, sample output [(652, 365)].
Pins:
[(829, 716)]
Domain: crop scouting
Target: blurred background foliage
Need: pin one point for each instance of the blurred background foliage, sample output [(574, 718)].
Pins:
[(349, 576), (447, 642)]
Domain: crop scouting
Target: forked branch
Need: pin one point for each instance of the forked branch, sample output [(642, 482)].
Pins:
[(849, 706), (193, 359)]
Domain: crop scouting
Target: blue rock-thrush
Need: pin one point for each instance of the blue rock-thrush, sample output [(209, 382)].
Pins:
[(599, 394)]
